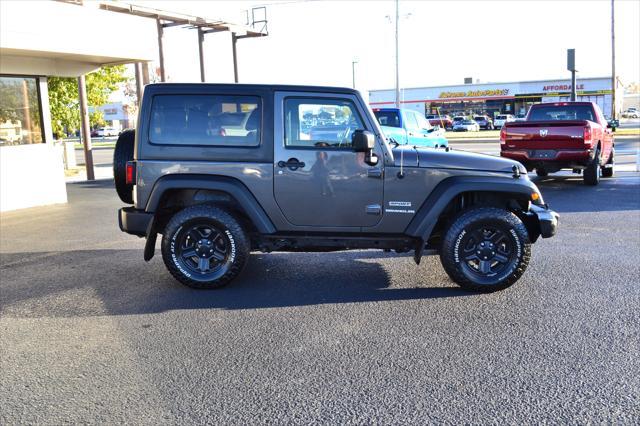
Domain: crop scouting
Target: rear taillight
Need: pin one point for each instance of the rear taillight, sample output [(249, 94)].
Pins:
[(130, 178), (587, 135), (503, 135)]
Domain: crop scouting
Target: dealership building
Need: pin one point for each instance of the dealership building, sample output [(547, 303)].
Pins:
[(71, 38), (496, 98)]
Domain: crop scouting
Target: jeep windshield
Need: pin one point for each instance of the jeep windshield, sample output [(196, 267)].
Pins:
[(388, 118)]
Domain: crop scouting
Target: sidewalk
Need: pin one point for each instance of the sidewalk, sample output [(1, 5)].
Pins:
[(80, 174)]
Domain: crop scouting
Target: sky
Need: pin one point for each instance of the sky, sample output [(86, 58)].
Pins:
[(441, 42)]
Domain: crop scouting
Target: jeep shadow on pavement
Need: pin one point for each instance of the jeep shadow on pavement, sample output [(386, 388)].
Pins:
[(222, 170)]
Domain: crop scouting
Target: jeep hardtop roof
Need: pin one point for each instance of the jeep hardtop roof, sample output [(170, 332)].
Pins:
[(249, 87)]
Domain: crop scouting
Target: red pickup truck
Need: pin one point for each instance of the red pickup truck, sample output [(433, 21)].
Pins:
[(565, 135)]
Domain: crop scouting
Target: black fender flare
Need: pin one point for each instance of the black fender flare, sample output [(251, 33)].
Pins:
[(226, 184), (427, 215)]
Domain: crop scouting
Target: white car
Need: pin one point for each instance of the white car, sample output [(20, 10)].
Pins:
[(108, 131), (466, 126), (501, 119), (631, 113)]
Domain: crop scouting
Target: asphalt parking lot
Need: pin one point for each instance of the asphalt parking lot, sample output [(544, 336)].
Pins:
[(90, 333)]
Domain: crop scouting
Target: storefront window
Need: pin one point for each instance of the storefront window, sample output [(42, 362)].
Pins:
[(19, 111)]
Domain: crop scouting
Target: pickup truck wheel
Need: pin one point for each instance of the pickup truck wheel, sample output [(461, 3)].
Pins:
[(608, 169), (542, 172), (122, 153), (486, 249), (204, 247), (593, 171)]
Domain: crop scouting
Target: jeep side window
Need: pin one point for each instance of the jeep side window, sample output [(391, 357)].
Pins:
[(320, 122), (210, 120)]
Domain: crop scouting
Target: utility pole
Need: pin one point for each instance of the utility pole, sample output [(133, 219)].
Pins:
[(201, 53), (234, 40), (353, 72), (163, 76), (614, 81), (397, 55), (571, 66)]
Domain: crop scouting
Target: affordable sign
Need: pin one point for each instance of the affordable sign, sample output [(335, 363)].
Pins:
[(561, 87)]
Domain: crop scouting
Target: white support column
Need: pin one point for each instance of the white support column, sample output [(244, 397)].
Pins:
[(85, 130), (45, 110)]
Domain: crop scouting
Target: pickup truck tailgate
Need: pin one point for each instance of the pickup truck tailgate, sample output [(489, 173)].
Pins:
[(545, 135)]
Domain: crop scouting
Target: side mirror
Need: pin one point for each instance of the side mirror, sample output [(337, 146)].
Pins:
[(363, 141)]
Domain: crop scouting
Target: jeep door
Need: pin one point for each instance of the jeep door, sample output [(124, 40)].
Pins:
[(319, 180)]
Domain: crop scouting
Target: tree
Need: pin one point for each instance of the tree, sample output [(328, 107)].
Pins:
[(19, 106), (64, 102)]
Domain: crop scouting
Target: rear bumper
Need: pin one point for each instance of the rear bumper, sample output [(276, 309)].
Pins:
[(549, 155), (547, 220), (133, 221)]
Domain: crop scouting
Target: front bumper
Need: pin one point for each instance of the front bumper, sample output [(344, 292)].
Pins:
[(135, 222), (547, 220)]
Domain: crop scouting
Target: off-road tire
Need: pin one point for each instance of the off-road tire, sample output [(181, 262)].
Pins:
[(122, 153), (591, 174), (466, 224), (208, 215), (608, 172), (542, 172)]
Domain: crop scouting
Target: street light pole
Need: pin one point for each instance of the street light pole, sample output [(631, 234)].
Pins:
[(353, 72), (613, 64), (397, 55)]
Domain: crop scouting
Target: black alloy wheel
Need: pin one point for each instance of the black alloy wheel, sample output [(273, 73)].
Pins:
[(204, 246), (486, 252), (486, 249), (204, 250)]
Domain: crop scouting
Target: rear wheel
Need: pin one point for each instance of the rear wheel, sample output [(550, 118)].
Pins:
[(593, 171), (542, 172), (608, 169), (122, 153), (486, 249), (204, 247)]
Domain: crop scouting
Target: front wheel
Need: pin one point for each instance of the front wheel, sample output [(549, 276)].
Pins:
[(204, 247), (486, 249), (608, 169)]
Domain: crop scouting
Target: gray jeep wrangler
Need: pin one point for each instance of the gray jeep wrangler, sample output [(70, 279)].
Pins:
[(222, 170)]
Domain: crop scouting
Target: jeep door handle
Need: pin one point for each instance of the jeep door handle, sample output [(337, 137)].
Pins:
[(291, 164)]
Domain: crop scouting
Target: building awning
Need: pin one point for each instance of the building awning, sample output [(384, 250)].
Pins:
[(60, 39)]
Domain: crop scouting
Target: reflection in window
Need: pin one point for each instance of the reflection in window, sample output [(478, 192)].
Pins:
[(215, 120), (19, 111), (320, 122)]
